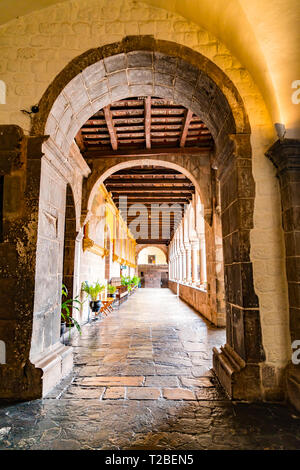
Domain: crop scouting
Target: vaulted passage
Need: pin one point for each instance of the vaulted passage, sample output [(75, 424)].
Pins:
[(137, 206), (142, 380)]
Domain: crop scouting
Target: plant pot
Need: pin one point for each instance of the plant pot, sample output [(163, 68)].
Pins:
[(63, 329), (95, 305)]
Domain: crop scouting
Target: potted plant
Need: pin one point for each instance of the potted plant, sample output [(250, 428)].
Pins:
[(93, 292), (111, 291), (125, 281), (67, 321), (135, 281)]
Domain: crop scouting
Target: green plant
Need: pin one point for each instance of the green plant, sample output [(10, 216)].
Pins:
[(111, 289), (66, 312), (93, 290), (125, 281), (135, 281)]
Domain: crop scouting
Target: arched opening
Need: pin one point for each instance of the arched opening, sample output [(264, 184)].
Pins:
[(152, 267), (152, 255), (222, 157)]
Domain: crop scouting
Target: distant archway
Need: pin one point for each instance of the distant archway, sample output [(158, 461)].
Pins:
[(151, 250)]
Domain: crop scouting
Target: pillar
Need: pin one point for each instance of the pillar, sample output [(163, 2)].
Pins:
[(195, 249), (188, 254), (285, 155), (203, 278), (183, 264), (240, 363)]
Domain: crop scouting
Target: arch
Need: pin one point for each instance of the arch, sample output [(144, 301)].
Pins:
[(156, 247), (163, 248), (99, 176), (140, 66)]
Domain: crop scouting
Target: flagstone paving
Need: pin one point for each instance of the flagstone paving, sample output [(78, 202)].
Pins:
[(142, 380)]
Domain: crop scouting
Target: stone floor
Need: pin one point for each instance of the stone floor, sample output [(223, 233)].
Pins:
[(142, 380)]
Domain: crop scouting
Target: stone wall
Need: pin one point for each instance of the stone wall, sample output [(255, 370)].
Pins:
[(193, 296)]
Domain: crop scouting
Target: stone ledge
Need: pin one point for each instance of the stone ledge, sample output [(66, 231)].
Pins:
[(55, 364)]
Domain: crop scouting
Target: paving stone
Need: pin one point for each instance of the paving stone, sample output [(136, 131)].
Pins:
[(113, 381), (162, 381), (210, 394), (143, 393), (194, 346), (172, 370), (74, 416), (178, 394), (77, 392), (87, 371), (196, 382), (114, 393)]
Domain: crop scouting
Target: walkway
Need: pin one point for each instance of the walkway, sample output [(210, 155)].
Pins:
[(142, 381)]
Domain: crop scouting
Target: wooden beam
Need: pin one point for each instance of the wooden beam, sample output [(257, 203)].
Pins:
[(147, 105), (147, 189), (185, 127), (159, 152), (79, 141), (150, 241), (110, 127), (138, 180)]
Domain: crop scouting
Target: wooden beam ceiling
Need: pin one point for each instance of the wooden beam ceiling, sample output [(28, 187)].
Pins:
[(145, 124), (146, 127)]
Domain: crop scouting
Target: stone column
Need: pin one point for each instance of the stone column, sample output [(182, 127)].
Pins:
[(202, 262), (239, 364), (188, 254), (178, 267), (183, 265), (285, 155), (195, 249)]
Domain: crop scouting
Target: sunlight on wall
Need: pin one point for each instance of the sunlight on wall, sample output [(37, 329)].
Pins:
[(160, 257)]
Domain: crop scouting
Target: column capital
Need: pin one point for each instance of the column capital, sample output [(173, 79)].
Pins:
[(195, 244), (285, 155)]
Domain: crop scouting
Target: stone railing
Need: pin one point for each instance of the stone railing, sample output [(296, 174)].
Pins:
[(194, 296)]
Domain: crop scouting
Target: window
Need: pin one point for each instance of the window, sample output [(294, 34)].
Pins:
[(151, 259)]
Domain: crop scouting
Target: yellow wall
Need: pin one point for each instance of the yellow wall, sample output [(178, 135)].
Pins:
[(262, 34)]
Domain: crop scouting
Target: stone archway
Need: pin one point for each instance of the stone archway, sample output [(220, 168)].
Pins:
[(143, 66), (163, 248)]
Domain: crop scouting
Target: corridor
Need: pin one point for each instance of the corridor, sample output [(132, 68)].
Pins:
[(142, 380)]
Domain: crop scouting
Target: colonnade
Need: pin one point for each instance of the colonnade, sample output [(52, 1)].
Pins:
[(187, 250)]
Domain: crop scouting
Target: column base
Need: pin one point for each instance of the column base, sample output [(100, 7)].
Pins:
[(55, 365), (293, 386), (240, 380)]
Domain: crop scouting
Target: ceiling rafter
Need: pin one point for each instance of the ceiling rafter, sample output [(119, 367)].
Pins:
[(110, 127)]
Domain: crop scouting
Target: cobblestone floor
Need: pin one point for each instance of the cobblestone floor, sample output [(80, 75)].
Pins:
[(142, 380)]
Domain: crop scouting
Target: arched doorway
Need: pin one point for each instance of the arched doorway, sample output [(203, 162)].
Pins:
[(203, 88), (152, 267)]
